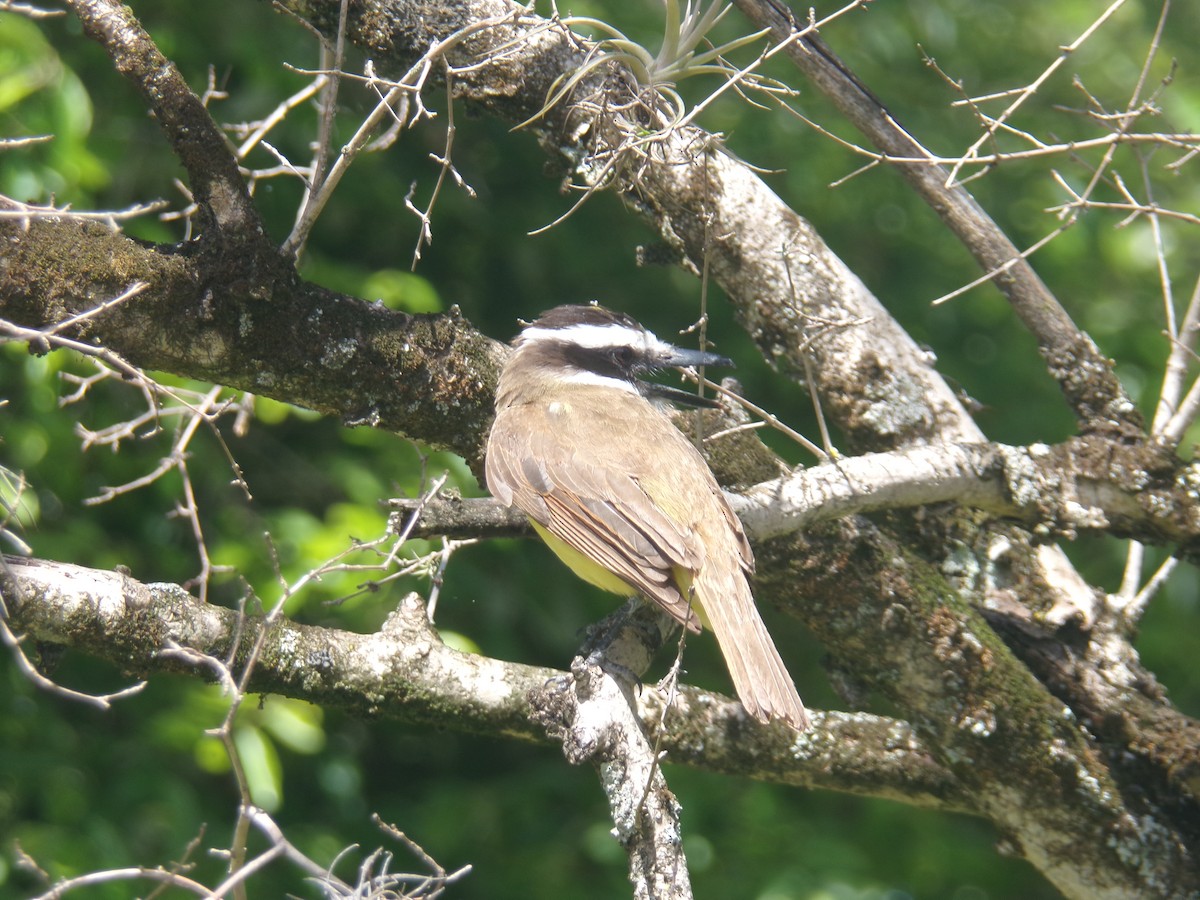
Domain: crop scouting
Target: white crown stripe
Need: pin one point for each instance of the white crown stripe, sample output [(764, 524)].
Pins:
[(591, 336), (596, 337)]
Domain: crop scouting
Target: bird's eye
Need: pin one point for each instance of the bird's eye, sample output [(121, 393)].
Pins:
[(623, 357)]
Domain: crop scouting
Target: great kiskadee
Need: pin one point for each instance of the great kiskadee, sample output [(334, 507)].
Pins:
[(621, 495)]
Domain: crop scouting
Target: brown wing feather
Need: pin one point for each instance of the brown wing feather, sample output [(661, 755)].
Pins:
[(603, 515), (572, 522), (735, 525)]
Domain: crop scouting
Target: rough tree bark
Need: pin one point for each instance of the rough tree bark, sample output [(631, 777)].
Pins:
[(1024, 699)]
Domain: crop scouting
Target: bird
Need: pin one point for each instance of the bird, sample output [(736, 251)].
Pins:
[(584, 447)]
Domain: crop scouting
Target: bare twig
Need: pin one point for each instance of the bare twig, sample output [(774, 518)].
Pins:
[(12, 508), (256, 133), (1098, 398), (28, 10), (23, 212), (1023, 94), (1171, 419), (133, 873), (769, 418), (331, 60), (401, 102), (445, 168)]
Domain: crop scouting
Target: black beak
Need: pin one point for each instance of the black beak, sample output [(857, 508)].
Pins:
[(676, 395), (680, 358)]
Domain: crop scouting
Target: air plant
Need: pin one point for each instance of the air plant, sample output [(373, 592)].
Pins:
[(684, 30)]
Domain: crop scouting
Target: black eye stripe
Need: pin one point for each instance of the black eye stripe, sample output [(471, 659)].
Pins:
[(565, 356), (617, 361), (614, 362)]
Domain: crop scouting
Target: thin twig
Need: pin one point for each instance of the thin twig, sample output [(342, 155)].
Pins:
[(1031, 89), (1182, 354)]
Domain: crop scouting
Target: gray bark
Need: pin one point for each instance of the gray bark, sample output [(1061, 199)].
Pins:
[(1024, 698)]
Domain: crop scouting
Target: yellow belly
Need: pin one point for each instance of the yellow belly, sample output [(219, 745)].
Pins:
[(594, 573), (591, 572)]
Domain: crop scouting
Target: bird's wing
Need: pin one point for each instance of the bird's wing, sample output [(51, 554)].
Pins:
[(745, 554), (598, 512)]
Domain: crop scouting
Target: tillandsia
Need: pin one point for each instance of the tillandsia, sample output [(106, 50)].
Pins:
[(685, 29)]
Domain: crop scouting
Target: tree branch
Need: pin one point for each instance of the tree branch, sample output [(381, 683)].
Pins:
[(406, 673), (594, 715), (1085, 376), (212, 170), (1076, 809), (429, 377), (1081, 485)]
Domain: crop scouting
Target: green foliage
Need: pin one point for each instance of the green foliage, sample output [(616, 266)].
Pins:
[(81, 790), (40, 95)]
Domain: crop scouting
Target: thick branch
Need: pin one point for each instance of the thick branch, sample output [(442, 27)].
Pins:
[(808, 313), (595, 716), (1029, 765), (1084, 484), (429, 377), (405, 672)]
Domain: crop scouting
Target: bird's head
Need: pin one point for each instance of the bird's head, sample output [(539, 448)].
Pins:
[(589, 344)]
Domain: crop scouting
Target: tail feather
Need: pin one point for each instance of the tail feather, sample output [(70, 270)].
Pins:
[(759, 676)]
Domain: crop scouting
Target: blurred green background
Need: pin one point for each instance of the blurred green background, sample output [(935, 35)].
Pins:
[(81, 790)]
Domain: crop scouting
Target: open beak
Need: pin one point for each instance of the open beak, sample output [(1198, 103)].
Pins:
[(676, 395), (680, 358)]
